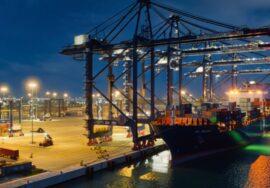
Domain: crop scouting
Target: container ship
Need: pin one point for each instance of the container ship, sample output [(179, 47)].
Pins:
[(213, 128)]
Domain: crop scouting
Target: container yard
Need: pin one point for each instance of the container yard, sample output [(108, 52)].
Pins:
[(156, 78)]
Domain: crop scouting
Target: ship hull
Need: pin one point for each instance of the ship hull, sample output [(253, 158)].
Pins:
[(189, 142)]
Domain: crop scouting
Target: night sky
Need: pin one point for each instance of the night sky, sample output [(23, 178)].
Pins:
[(32, 32)]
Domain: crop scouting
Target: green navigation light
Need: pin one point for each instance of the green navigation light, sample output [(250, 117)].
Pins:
[(237, 137), (258, 149)]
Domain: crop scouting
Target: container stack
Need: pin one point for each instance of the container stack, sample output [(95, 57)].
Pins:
[(205, 106), (187, 108), (237, 115), (231, 106), (245, 104), (254, 113), (267, 105), (257, 103), (267, 102), (4, 126), (224, 115)]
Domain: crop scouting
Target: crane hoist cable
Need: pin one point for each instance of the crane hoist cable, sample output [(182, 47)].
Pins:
[(111, 18), (195, 17)]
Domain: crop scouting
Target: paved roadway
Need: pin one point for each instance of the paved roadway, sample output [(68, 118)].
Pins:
[(69, 147)]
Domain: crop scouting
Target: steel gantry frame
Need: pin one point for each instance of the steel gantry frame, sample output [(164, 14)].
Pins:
[(171, 38)]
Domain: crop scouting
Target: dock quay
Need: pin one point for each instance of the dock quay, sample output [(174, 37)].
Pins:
[(70, 156), (51, 178)]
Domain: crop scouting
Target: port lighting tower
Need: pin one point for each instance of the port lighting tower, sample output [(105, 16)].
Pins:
[(32, 86), (4, 89)]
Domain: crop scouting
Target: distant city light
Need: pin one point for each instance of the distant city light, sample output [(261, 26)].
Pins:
[(65, 95), (48, 93), (4, 89), (55, 94)]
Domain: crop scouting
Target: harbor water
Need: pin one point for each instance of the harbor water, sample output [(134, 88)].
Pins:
[(245, 167)]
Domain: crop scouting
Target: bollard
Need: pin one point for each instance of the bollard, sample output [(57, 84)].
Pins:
[(90, 171), (128, 159), (110, 165)]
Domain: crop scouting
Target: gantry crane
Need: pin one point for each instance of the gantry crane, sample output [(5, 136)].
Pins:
[(139, 36)]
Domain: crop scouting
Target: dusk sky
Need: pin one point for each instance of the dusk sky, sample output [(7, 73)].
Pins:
[(32, 32)]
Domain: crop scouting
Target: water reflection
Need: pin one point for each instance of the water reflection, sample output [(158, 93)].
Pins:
[(126, 172), (148, 172), (245, 168), (259, 173), (236, 169), (161, 162)]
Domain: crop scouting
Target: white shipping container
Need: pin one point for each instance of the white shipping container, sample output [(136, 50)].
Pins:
[(245, 105), (241, 100)]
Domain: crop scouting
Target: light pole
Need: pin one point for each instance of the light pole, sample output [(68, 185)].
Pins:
[(32, 86), (48, 103), (96, 103), (65, 102), (3, 90), (20, 111), (56, 98), (116, 94)]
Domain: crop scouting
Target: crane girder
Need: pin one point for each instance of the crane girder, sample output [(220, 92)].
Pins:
[(100, 46), (226, 72)]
